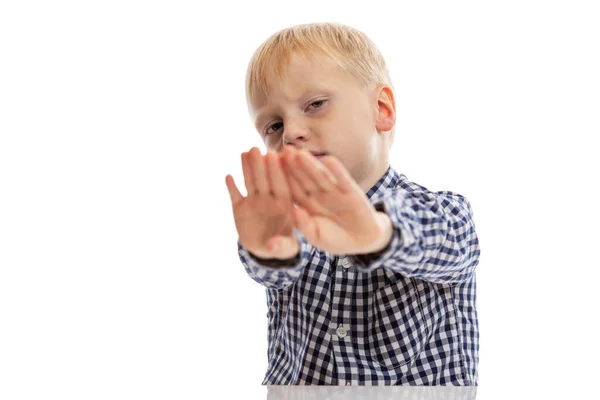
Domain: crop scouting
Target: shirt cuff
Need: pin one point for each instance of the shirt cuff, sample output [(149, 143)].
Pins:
[(277, 262)]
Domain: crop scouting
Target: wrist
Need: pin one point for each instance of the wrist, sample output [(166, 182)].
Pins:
[(386, 233)]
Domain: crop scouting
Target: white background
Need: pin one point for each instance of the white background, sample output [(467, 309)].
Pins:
[(119, 120)]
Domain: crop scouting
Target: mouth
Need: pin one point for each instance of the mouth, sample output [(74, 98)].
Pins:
[(318, 154)]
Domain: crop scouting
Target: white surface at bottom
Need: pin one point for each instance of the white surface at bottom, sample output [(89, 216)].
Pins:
[(371, 392)]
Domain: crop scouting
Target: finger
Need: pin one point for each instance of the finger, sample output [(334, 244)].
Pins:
[(345, 181), (296, 190), (248, 179), (317, 171), (234, 193), (306, 224), (296, 169), (259, 172), (277, 181), (307, 202)]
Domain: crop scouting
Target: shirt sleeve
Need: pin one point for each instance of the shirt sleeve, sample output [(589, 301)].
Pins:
[(277, 274), (433, 239)]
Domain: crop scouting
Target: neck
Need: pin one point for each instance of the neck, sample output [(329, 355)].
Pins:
[(374, 174)]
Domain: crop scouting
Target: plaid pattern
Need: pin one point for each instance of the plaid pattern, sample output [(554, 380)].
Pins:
[(404, 316)]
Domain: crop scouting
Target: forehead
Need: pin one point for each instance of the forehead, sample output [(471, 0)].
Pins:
[(307, 67), (302, 73)]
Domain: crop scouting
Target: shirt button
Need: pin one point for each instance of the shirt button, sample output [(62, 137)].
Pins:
[(345, 263), (341, 332), (348, 383)]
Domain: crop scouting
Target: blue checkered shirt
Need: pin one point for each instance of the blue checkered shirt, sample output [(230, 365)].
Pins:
[(403, 316)]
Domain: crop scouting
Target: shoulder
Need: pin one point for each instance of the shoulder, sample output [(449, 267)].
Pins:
[(418, 194)]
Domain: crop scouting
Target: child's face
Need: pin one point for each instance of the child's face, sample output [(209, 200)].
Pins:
[(319, 107)]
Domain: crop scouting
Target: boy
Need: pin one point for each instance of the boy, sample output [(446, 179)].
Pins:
[(369, 277)]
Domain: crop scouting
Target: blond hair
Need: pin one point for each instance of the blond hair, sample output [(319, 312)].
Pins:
[(354, 52)]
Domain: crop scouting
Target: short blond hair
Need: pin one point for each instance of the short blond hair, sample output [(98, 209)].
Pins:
[(354, 52)]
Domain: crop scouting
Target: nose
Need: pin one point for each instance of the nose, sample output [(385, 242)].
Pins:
[(294, 131)]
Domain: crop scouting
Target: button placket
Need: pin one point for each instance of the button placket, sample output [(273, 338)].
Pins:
[(341, 332)]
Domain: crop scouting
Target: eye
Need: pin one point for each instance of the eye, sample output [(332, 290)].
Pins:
[(317, 104), (274, 126)]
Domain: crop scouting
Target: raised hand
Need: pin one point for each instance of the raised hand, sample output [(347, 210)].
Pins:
[(264, 218), (333, 212)]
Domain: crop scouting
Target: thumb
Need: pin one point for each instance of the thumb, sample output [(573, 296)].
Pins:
[(283, 246), (234, 193)]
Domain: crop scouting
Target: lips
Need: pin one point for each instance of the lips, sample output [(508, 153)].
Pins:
[(318, 154)]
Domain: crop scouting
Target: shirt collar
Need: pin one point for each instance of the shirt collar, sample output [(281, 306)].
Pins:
[(390, 179)]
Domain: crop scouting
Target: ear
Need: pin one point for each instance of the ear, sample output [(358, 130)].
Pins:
[(386, 109)]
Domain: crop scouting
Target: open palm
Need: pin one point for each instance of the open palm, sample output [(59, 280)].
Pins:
[(264, 218), (333, 212)]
